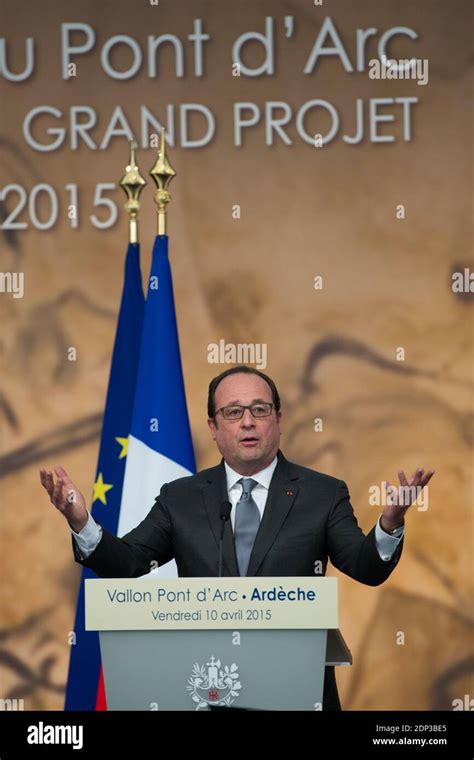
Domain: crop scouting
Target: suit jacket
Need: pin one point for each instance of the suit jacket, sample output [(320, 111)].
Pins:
[(308, 517)]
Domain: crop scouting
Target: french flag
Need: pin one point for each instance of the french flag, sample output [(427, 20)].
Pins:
[(160, 447)]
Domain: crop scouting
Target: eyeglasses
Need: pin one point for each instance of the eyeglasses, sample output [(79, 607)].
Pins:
[(236, 412)]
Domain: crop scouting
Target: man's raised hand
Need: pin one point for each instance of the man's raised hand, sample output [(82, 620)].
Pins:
[(65, 497), (400, 498)]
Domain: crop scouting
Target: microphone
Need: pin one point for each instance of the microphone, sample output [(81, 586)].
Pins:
[(224, 516)]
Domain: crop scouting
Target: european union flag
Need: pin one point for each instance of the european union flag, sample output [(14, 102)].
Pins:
[(85, 686)]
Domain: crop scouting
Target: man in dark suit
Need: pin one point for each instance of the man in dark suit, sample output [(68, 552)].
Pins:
[(285, 520)]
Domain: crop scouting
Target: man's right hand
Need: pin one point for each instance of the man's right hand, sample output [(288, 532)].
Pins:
[(65, 497)]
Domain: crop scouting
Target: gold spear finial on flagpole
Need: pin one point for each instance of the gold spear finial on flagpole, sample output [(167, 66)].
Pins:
[(162, 172), (132, 183)]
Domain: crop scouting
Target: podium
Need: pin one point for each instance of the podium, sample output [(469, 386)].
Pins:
[(257, 643)]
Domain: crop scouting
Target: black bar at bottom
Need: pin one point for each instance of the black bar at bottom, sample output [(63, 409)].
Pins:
[(143, 734)]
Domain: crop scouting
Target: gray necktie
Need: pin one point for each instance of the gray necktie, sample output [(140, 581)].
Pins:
[(247, 520)]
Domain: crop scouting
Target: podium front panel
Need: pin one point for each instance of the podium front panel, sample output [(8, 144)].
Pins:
[(191, 670)]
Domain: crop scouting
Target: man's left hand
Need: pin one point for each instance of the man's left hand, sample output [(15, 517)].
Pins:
[(400, 499)]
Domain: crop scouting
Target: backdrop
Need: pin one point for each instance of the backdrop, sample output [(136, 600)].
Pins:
[(318, 211)]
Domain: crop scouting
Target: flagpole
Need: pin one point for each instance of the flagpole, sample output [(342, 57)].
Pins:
[(162, 173), (132, 183)]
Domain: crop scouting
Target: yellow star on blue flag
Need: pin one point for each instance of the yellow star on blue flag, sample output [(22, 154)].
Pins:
[(124, 444), (100, 489)]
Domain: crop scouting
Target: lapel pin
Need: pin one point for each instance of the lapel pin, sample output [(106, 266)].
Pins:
[(289, 493)]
